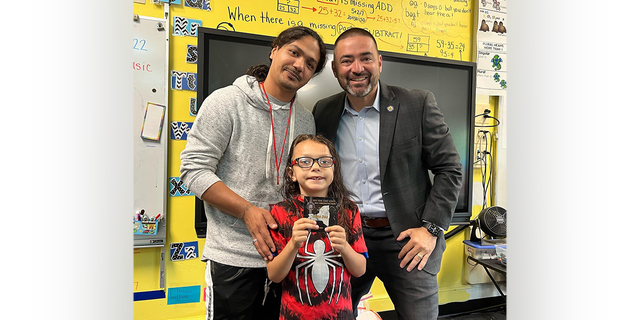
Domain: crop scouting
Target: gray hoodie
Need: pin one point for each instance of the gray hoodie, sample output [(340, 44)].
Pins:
[(231, 141)]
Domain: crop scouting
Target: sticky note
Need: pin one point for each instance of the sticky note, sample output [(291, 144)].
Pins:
[(183, 295)]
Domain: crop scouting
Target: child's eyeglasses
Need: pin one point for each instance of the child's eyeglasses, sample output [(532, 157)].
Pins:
[(307, 162)]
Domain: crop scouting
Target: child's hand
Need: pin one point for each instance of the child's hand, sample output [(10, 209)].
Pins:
[(338, 237), (300, 231)]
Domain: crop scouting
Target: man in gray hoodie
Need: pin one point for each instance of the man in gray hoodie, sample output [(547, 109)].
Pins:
[(233, 162)]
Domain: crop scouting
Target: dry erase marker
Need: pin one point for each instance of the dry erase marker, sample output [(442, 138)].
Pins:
[(158, 216)]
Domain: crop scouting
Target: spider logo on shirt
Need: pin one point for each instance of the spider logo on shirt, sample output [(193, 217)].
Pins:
[(320, 264)]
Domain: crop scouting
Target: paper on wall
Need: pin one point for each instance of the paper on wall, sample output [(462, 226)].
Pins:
[(152, 123)]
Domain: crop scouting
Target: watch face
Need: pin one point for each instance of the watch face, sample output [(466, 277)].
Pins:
[(432, 228)]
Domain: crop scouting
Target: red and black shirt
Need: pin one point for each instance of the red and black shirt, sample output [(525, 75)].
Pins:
[(318, 286)]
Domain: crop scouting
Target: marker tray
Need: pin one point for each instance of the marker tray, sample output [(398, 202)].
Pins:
[(145, 227)]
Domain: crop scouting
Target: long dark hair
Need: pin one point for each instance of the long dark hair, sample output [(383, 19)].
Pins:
[(291, 189), (287, 36)]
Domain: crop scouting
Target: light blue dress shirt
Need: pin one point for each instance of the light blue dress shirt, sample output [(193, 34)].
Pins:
[(357, 145)]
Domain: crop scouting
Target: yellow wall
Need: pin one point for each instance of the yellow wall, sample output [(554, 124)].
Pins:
[(397, 28)]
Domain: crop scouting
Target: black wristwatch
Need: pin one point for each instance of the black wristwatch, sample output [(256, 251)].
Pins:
[(431, 227)]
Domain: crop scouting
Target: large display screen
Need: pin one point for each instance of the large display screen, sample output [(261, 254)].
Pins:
[(225, 55)]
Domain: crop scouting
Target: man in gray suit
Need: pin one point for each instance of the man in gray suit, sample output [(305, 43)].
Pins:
[(388, 139)]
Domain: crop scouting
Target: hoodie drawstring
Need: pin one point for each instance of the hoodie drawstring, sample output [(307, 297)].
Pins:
[(268, 173), (272, 137)]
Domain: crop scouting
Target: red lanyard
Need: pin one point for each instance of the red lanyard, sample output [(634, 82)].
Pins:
[(273, 132)]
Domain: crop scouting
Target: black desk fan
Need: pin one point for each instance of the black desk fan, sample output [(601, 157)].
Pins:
[(491, 221)]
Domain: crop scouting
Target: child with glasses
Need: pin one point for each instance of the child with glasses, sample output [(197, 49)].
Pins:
[(315, 267)]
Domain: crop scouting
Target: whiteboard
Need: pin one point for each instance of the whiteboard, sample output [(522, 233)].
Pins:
[(150, 64)]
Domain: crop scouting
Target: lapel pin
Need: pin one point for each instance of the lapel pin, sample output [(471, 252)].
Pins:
[(390, 108)]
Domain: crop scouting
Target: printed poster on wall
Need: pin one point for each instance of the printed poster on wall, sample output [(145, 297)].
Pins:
[(492, 48)]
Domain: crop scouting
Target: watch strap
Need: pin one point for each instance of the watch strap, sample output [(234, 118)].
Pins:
[(431, 227)]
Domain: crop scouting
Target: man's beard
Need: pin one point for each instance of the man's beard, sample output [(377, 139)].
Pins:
[(288, 84), (361, 92)]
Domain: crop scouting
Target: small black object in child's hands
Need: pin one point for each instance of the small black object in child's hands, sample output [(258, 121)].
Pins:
[(323, 210)]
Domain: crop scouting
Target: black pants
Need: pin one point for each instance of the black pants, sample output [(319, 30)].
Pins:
[(237, 293), (414, 294)]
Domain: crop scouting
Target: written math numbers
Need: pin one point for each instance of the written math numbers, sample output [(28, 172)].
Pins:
[(291, 6), (387, 19), (418, 43), (138, 44), (450, 49), (331, 11), (450, 45), (448, 54)]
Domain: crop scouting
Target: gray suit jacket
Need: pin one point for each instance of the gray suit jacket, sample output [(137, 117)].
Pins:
[(413, 141)]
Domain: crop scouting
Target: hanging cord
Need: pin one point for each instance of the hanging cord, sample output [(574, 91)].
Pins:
[(486, 115), (490, 179), (484, 156), (492, 162), (490, 165)]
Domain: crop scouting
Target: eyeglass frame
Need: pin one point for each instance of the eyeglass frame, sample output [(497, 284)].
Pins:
[(314, 160)]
